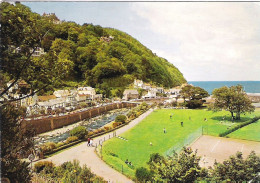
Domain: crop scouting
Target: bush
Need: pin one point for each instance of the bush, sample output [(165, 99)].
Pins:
[(115, 124), (100, 130), (193, 104), (79, 132), (107, 128), (143, 174), (71, 139), (91, 133), (68, 171), (120, 118), (174, 104), (48, 147), (39, 166), (59, 144)]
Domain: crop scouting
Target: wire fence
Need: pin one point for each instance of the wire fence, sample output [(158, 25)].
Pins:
[(187, 141)]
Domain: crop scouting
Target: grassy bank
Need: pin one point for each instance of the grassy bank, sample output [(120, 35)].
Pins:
[(250, 132)]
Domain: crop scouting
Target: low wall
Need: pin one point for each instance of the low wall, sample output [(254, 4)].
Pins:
[(51, 123)]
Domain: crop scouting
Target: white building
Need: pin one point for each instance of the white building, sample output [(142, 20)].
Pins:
[(53, 104), (89, 91), (61, 93), (150, 94), (160, 89), (130, 94), (138, 83)]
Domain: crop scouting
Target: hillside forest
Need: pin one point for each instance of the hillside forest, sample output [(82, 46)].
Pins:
[(76, 55)]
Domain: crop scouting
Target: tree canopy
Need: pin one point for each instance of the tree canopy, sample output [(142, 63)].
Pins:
[(14, 145), (234, 99), (185, 167), (194, 95)]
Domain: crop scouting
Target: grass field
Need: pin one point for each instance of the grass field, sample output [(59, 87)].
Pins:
[(249, 132), (137, 149)]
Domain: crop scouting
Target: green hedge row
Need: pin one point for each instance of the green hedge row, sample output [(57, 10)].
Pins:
[(223, 134)]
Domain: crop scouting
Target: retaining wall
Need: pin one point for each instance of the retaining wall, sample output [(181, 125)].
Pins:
[(51, 123)]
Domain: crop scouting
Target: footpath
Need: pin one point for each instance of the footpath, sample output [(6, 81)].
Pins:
[(87, 155)]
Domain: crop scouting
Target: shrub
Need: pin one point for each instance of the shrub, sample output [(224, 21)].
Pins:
[(174, 104), (59, 144), (39, 166), (115, 124), (107, 128), (100, 130), (120, 118), (193, 104), (91, 133), (71, 139), (79, 132), (143, 174), (69, 171), (84, 105), (48, 146)]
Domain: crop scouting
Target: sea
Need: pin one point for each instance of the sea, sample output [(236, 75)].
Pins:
[(209, 86)]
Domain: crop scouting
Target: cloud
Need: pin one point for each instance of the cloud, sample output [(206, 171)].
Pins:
[(220, 40)]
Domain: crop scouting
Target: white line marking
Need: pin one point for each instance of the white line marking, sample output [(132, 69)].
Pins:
[(242, 147), (215, 146)]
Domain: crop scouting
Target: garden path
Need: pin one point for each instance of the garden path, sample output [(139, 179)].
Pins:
[(87, 155)]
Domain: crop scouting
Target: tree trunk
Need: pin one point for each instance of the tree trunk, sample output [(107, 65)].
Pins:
[(232, 115), (238, 115)]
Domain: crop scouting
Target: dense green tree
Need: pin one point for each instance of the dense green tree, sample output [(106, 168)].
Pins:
[(236, 168), (234, 99), (22, 32), (15, 143), (143, 174), (194, 95), (68, 172), (178, 168)]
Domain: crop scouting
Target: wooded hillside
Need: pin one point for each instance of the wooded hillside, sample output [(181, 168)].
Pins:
[(104, 58)]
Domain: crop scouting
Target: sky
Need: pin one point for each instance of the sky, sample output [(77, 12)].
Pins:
[(206, 41)]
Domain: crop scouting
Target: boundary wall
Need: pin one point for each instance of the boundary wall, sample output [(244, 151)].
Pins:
[(51, 123)]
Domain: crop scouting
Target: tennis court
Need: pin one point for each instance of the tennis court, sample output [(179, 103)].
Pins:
[(218, 148)]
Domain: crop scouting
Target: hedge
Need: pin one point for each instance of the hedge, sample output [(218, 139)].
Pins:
[(239, 126)]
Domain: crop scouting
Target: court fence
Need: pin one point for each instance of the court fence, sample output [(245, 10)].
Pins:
[(184, 143)]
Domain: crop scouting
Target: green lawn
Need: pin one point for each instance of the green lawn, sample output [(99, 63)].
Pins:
[(137, 149), (249, 132)]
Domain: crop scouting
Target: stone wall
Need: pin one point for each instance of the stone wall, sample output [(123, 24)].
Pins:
[(51, 123)]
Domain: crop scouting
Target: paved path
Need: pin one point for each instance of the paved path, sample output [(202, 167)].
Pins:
[(86, 155)]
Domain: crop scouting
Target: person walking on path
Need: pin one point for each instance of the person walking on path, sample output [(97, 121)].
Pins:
[(88, 141), (182, 123), (164, 130), (91, 143)]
